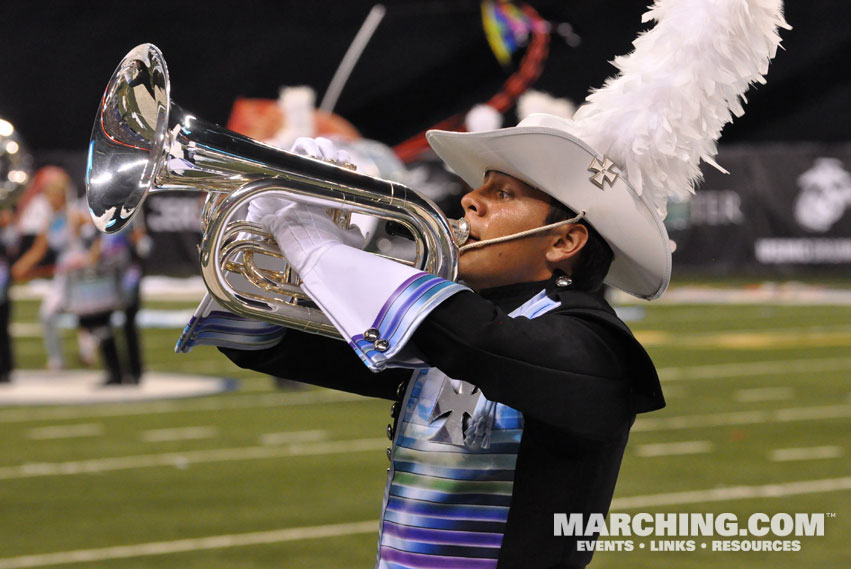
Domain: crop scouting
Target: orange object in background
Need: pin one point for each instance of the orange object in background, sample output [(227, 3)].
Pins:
[(261, 119)]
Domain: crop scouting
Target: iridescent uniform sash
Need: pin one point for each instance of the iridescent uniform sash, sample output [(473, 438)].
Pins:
[(450, 483), (212, 325)]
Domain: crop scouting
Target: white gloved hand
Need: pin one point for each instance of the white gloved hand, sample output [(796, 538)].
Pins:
[(261, 206), (304, 232), (320, 149)]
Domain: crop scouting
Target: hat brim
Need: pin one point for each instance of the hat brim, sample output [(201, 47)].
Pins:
[(557, 163)]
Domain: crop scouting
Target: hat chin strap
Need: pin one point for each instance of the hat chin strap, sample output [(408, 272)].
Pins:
[(520, 235)]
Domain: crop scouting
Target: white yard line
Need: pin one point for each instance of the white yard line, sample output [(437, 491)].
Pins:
[(292, 437), (763, 394), (180, 434), (711, 297), (812, 413), (250, 401), (806, 453), (671, 449), (716, 371), (65, 431), (314, 397), (370, 526), (184, 545), (822, 412), (732, 493), (814, 329), (184, 459)]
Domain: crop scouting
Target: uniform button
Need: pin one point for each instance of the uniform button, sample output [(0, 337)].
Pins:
[(400, 391), (394, 410), (388, 453), (390, 432), (371, 335), (381, 345)]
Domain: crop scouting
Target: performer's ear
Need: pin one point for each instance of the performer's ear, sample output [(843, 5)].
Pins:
[(566, 243)]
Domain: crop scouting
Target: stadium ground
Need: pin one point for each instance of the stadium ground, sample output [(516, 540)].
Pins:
[(758, 416)]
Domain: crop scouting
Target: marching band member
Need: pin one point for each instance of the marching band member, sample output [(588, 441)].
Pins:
[(516, 387), (526, 382), (139, 249), (58, 234), (112, 286), (80, 285), (8, 245)]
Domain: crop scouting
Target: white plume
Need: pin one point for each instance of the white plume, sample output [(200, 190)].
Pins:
[(482, 117), (532, 101), (662, 114)]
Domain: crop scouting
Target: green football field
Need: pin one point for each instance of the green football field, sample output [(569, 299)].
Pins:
[(759, 402)]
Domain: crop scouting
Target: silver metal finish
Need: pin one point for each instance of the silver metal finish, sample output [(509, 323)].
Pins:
[(604, 172), (563, 281), (144, 143), (460, 230), (457, 406), (371, 335)]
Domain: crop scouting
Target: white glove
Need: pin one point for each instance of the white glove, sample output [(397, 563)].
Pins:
[(261, 206), (304, 232), (320, 149)]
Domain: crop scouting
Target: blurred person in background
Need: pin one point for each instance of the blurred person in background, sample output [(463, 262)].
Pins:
[(124, 253), (31, 211), (98, 285), (8, 245), (85, 275), (58, 234), (141, 246)]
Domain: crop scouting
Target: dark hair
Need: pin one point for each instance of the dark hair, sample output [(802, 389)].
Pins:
[(594, 259)]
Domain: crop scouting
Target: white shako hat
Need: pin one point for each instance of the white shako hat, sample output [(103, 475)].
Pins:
[(541, 152), (640, 138)]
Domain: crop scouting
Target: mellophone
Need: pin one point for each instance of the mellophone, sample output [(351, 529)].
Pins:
[(144, 143)]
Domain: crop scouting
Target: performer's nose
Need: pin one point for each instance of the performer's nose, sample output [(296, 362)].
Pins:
[(471, 202)]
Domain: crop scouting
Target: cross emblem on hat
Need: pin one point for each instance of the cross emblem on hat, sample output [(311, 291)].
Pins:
[(458, 407), (603, 172)]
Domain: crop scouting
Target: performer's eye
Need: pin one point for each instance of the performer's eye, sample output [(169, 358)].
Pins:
[(503, 194)]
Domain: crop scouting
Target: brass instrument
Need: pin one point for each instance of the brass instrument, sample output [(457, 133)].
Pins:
[(15, 164), (144, 143)]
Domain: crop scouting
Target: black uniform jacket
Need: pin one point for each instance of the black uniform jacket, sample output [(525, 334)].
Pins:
[(576, 373)]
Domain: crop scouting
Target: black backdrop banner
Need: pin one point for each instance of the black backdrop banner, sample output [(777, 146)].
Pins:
[(173, 221), (782, 210)]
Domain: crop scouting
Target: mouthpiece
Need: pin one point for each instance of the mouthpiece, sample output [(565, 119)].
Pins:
[(460, 230)]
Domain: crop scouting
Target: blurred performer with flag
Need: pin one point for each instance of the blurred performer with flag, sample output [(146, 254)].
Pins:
[(525, 383)]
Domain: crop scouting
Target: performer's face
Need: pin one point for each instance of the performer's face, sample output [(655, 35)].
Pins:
[(502, 206), (55, 194)]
